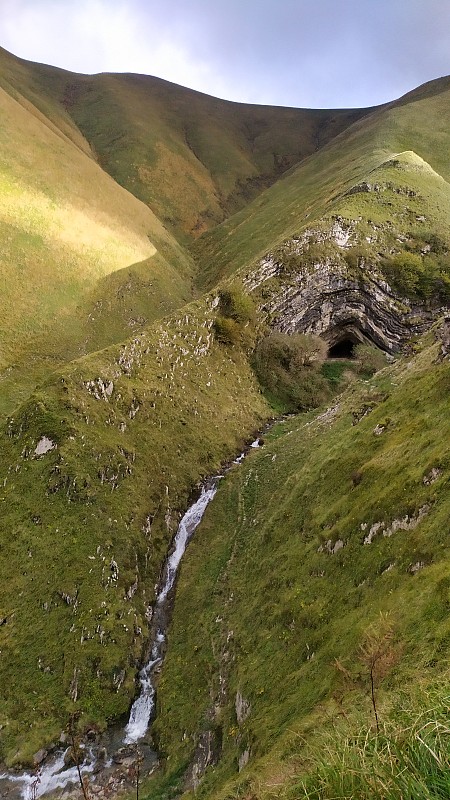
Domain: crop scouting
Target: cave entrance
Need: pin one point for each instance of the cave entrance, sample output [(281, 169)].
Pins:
[(345, 348)]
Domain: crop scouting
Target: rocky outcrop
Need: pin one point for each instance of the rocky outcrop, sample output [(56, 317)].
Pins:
[(328, 298), (329, 303), (444, 336)]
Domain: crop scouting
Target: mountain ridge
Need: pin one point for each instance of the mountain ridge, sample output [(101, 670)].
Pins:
[(142, 375)]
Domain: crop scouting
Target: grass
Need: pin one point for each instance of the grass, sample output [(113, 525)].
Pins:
[(275, 609), (334, 371), (140, 400), (179, 406), (66, 228), (317, 185), (193, 159), (408, 759), (201, 158)]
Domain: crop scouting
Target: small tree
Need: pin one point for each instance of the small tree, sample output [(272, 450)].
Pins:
[(34, 785), (287, 367), (370, 359), (74, 738), (236, 304), (378, 655), (404, 271), (139, 760), (237, 315)]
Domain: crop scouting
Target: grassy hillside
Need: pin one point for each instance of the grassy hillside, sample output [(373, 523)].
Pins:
[(378, 263), (96, 467), (119, 394), (330, 539), (418, 122), (193, 159), (66, 227)]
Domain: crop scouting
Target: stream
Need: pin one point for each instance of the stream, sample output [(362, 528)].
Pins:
[(54, 774), (142, 708)]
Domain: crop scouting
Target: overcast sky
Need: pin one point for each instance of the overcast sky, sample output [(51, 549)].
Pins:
[(304, 53)]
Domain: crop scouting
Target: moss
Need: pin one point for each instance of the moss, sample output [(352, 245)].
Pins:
[(175, 410), (276, 605)]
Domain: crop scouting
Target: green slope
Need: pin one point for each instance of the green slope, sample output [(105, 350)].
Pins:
[(65, 225), (99, 461), (419, 122), (192, 158), (338, 518), (131, 429), (378, 261)]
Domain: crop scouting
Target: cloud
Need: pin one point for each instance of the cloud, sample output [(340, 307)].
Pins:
[(87, 35), (287, 52), (93, 36)]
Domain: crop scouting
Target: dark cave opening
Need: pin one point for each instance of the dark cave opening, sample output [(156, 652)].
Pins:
[(345, 348)]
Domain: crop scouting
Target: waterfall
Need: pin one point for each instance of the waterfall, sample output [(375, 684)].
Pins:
[(142, 708), (52, 775)]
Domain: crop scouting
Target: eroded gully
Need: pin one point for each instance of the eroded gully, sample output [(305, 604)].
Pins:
[(110, 761)]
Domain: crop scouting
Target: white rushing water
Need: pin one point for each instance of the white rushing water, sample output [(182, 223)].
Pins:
[(142, 708), (53, 776)]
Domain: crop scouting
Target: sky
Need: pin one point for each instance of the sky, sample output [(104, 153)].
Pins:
[(303, 53)]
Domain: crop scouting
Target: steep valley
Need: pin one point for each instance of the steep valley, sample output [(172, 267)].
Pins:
[(154, 241), (335, 529)]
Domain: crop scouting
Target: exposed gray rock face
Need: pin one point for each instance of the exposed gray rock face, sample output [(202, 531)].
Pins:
[(242, 707), (322, 282), (206, 754), (44, 446), (329, 303), (244, 758), (39, 757), (445, 339)]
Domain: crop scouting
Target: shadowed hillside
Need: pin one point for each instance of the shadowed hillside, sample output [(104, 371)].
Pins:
[(418, 122), (122, 387), (330, 540), (193, 159)]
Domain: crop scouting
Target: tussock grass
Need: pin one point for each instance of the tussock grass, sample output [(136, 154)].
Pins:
[(284, 588), (409, 759)]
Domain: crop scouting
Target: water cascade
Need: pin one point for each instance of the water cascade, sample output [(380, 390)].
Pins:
[(143, 706), (53, 775)]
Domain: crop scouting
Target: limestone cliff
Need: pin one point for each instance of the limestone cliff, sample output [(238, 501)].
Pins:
[(329, 299)]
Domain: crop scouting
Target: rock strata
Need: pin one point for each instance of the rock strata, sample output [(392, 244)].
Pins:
[(330, 303)]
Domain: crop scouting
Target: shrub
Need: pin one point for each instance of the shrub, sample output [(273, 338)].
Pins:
[(421, 277), (370, 359), (227, 331), (288, 369), (235, 323), (235, 304), (403, 271)]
